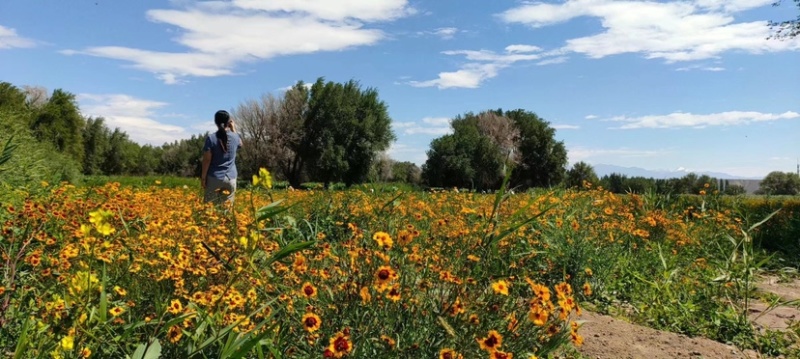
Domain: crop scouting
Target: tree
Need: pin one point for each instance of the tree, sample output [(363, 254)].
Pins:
[(780, 183), (579, 173), (96, 142), (474, 154), (787, 29), (11, 98), (543, 160), (272, 130), (407, 172), (60, 123), (345, 128), (466, 158)]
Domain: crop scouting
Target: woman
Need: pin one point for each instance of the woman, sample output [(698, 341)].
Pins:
[(218, 177)]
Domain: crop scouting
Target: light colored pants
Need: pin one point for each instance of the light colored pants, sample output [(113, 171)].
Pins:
[(220, 190)]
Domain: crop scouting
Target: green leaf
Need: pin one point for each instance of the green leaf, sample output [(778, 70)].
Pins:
[(103, 309), (145, 351), (288, 250), (22, 342), (763, 220), (271, 210)]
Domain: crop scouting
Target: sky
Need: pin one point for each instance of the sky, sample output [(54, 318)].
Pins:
[(660, 85)]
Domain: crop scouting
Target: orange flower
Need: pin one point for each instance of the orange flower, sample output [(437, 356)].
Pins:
[(538, 316), (587, 289), (174, 334), (448, 353), (491, 342), (501, 355)]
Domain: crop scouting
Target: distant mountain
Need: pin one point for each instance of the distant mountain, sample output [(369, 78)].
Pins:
[(604, 169)]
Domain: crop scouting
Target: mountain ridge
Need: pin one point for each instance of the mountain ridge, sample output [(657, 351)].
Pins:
[(606, 169)]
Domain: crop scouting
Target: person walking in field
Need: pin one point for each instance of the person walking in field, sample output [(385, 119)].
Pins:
[(218, 176)]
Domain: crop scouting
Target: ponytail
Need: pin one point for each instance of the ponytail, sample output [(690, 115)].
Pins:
[(222, 119)]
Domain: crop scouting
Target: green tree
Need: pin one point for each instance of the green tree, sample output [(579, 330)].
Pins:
[(60, 123), (407, 172), (780, 183), (542, 159), (345, 128), (579, 173), (12, 99), (465, 158), (96, 138)]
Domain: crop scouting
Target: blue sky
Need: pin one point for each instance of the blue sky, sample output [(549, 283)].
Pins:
[(652, 84)]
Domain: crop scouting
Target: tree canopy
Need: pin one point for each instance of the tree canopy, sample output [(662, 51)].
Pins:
[(473, 156)]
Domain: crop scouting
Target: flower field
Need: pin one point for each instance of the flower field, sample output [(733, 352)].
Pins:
[(115, 272)]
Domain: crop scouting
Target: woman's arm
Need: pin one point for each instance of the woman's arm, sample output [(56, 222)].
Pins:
[(206, 164)]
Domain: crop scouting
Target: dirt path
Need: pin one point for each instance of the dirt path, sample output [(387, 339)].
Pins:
[(607, 337)]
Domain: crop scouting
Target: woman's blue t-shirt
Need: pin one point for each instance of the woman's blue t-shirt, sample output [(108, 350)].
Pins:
[(222, 163)]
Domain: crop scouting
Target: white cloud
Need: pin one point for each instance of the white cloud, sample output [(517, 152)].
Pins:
[(701, 68), (683, 119), (553, 61), (403, 152), (482, 65), (522, 48), (222, 35), (132, 115), (591, 117), (581, 153), (10, 39), (673, 31), (427, 126), (446, 33), (566, 127)]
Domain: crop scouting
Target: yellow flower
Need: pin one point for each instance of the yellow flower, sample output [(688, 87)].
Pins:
[(86, 352), (384, 239), (105, 229), (340, 346), (175, 307), (116, 311), (309, 290), (67, 343), (500, 287), (122, 292), (311, 322)]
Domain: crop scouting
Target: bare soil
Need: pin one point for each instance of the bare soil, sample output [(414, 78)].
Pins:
[(608, 337)]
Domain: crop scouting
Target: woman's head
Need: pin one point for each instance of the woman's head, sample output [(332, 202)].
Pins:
[(222, 118)]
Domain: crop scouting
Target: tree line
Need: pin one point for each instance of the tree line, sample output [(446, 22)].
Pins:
[(324, 132)]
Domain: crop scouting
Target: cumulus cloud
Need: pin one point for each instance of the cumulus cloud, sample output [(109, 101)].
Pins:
[(673, 31), (133, 115), (10, 39), (219, 36), (690, 120)]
